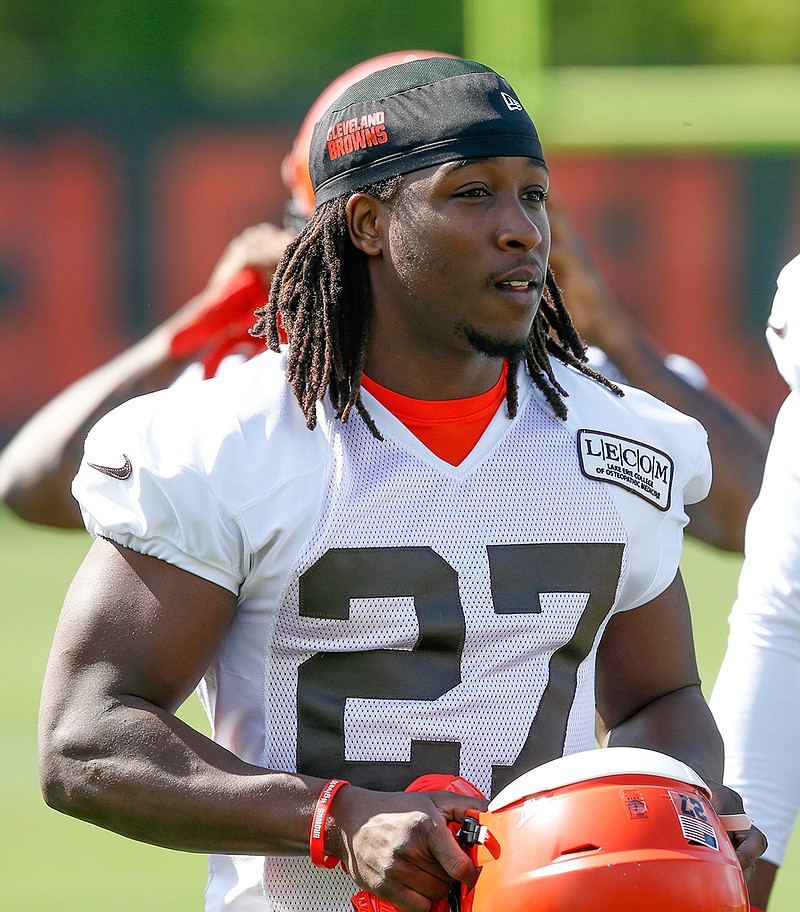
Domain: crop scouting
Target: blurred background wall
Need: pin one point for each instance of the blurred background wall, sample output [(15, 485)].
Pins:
[(137, 138)]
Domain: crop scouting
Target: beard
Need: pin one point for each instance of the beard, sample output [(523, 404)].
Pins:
[(494, 346)]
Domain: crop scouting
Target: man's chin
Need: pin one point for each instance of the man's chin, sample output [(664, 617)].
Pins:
[(492, 346)]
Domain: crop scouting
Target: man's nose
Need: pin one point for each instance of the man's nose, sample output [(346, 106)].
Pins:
[(520, 228)]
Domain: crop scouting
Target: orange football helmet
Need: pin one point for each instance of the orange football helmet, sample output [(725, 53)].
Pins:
[(295, 167), (619, 829)]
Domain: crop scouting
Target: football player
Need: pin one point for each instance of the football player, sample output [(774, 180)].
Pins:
[(423, 537)]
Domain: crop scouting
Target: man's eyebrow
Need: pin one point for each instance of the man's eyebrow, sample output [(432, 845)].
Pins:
[(464, 162)]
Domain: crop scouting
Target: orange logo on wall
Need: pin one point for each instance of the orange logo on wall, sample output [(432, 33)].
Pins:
[(347, 136)]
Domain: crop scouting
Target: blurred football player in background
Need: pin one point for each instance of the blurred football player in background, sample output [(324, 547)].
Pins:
[(211, 332), (619, 348), (756, 697)]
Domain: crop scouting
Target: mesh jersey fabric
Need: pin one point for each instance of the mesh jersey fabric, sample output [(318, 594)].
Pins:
[(391, 596)]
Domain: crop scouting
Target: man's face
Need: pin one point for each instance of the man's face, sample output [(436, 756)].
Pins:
[(464, 256)]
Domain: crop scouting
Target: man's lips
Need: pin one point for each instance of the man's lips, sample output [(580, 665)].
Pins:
[(519, 280), (519, 283), (516, 284)]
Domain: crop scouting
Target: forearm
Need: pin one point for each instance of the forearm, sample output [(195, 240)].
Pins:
[(138, 770), (678, 724), (38, 465)]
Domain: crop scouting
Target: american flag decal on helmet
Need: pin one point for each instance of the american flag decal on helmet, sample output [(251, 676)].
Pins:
[(693, 818)]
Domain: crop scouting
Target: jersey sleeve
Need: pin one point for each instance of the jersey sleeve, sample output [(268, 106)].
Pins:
[(656, 550), (144, 483), (783, 326), (698, 469)]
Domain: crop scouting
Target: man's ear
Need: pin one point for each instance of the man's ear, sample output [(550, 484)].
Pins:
[(366, 220)]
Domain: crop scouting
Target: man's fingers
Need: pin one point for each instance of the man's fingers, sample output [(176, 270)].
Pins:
[(750, 846), (451, 856), (415, 884), (735, 823), (749, 841), (455, 807), (407, 900)]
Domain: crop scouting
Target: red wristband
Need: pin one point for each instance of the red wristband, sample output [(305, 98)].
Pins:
[(316, 842)]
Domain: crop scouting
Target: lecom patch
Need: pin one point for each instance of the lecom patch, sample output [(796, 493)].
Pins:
[(641, 469)]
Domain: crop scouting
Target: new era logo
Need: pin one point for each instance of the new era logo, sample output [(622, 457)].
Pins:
[(511, 103)]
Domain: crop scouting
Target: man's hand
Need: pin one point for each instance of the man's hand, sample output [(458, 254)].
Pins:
[(259, 247), (398, 845), (216, 323), (751, 843)]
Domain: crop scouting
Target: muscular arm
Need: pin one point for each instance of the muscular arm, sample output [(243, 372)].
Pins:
[(648, 685), (38, 465), (135, 636), (648, 695), (737, 442)]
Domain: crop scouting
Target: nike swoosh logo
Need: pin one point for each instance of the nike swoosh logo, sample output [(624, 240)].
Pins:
[(123, 472)]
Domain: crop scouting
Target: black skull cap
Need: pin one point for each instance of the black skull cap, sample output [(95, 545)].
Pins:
[(415, 115)]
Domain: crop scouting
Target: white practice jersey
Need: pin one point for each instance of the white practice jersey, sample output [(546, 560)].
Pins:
[(397, 615), (756, 697)]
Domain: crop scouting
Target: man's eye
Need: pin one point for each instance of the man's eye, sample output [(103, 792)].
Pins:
[(536, 196), (472, 192)]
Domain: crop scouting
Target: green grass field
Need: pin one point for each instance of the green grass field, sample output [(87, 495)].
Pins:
[(52, 862)]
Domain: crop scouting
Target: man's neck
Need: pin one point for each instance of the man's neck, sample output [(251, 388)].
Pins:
[(433, 379)]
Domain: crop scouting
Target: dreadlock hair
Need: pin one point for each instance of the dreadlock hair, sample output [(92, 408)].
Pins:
[(320, 296), (553, 332)]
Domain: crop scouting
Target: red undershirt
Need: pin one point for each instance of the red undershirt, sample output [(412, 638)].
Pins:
[(449, 428)]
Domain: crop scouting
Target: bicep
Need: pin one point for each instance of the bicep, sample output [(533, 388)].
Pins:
[(135, 625), (645, 653)]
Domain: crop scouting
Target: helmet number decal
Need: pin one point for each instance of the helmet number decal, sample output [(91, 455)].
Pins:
[(694, 820)]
